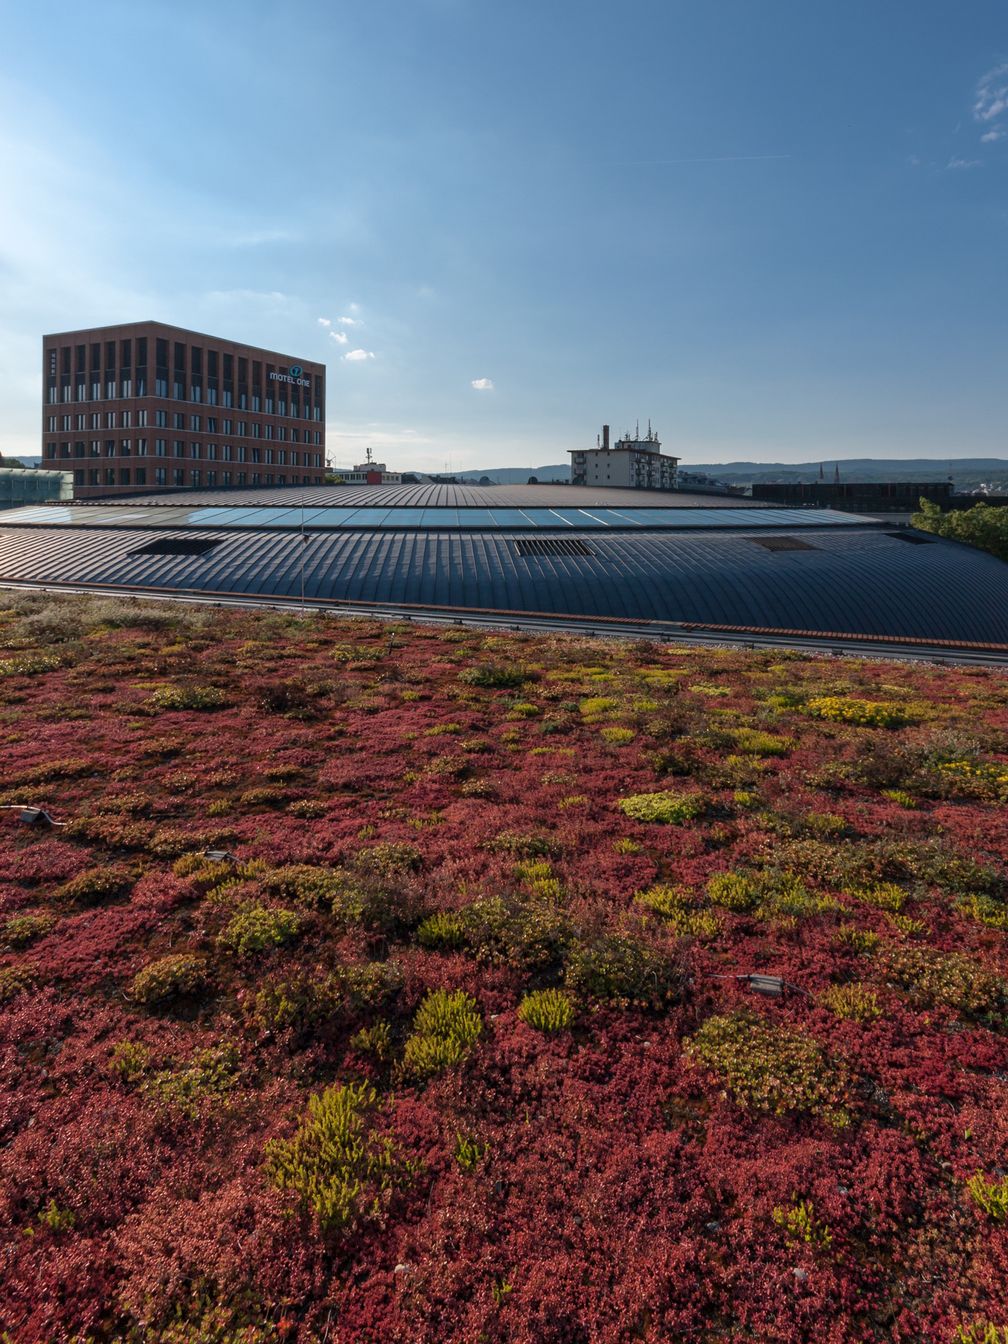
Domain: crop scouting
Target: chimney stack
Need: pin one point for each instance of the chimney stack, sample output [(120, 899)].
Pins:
[(605, 437)]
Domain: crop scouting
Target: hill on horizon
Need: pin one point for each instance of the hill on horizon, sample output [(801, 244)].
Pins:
[(967, 472)]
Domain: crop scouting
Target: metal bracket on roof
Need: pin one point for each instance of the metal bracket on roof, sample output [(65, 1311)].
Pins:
[(772, 986), (31, 816)]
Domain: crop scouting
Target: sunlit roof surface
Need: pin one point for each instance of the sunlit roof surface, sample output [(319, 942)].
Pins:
[(415, 519)]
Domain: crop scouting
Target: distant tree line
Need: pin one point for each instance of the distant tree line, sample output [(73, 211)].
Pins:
[(984, 526)]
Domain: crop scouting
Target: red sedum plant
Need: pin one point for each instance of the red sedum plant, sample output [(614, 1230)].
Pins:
[(394, 984)]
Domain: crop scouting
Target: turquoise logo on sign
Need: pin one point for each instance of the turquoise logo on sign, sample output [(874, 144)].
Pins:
[(295, 370)]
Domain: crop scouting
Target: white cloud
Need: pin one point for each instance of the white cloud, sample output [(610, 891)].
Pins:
[(349, 322), (261, 237), (340, 337), (963, 163), (992, 94), (325, 322), (988, 137), (482, 384), (356, 356)]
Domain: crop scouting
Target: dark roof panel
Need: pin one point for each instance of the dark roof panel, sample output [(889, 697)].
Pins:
[(858, 580)]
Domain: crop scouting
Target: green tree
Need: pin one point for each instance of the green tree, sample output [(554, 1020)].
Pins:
[(984, 525)]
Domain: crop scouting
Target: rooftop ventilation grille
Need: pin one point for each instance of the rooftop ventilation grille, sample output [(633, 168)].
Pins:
[(783, 543), (914, 538), (553, 546), (176, 546)]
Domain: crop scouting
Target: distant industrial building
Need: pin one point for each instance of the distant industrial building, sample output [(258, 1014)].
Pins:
[(855, 497), (148, 406), (368, 473), (634, 463)]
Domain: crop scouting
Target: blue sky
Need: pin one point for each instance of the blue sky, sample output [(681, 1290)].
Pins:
[(778, 229)]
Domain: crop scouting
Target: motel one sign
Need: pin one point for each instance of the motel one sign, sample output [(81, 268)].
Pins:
[(295, 375)]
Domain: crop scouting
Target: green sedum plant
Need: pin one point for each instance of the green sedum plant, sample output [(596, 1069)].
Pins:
[(446, 1027), (665, 807), (853, 1002), (801, 1226), (176, 976), (547, 1010), (770, 1068), (168, 698), (990, 1197), (254, 929), (336, 1164), (20, 930)]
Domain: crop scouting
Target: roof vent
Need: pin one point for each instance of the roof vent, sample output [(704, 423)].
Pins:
[(176, 546), (783, 543), (914, 538), (552, 546)]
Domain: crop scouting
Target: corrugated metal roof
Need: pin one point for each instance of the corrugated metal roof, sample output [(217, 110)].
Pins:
[(429, 496), (274, 518), (858, 580)]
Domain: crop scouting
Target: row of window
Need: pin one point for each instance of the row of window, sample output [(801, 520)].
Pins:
[(211, 451), (178, 476), (125, 420), (293, 409), (80, 360)]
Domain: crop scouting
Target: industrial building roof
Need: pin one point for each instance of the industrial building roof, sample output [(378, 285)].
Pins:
[(428, 496), (277, 518), (617, 555)]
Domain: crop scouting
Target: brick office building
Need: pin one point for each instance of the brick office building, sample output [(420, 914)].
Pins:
[(145, 406)]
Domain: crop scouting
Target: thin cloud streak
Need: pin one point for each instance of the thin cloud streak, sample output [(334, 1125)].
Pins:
[(720, 158)]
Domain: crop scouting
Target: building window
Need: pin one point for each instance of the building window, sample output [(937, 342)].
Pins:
[(211, 452), (141, 447), (124, 448), (159, 475), (178, 420), (161, 419), (178, 476), (141, 475), (228, 426), (64, 422), (110, 419), (51, 425), (211, 424), (196, 476), (194, 451), (141, 419), (161, 447), (195, 423), (226, 477), (110, 448), (211, 478), (125, 420), (178, 448), (124, 476)]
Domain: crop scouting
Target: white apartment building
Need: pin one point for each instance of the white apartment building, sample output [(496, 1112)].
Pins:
[(634, 463)]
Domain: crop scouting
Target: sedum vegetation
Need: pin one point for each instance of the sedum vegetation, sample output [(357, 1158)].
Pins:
[(394, 984)]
